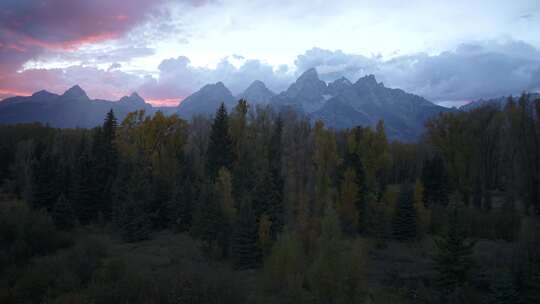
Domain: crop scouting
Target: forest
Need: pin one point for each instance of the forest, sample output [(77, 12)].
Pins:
[(253, 205)]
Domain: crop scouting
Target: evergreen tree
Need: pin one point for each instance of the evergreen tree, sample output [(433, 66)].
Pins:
[(503, 289), (453, 257), (435, 181), (353, 160), (162, 193), (262, 194), (45, 174), (81, 192), (423, 214), (275, 151), (135, 217), (136, 223), (220, 147), (104, 158), (245, 250), (347, 203), (405, 222), (532, 291), (63, 214), (181, 205), (209, 222)]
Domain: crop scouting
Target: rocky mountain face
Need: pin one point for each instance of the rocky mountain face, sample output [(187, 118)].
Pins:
[(72, 109), (206, 100), (257, 93), (339, 104), (343, 104)]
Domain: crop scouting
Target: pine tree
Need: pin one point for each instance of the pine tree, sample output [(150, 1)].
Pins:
[(503, 289), (532, 290), (63, 214), (81, 192), (405, 222), (104, 167), (135, 217), (275, 151), (220, 147), (136, 224), (45, 172), (435, 181), (453, 257), (209, 223), (353, 160), (245, 250), (262, 195), (423, 214), (181, 206), (347, 203)]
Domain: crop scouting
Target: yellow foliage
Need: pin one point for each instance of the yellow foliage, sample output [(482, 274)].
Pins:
[(264, 233), (152, 141), (224, 188), (424, 214), (347, 203)]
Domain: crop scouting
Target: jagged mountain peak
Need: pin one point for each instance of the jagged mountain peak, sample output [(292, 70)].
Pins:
[(75, 92), (309, 75), (214, 87), (343, 80), (368, 80), (134, 99), (257, 92), (257, 84), (42, 93), (206, 100)]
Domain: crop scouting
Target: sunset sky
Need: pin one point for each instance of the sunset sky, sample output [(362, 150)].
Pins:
[(446, 51)]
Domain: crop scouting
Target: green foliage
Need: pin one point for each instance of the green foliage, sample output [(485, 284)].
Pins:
[(220, 146), (503, 289), (405, 218), (435, 181), (236, 181), (209, 222), (348, 202), (45, 172), (532, 290), (246, 252), (453, 258), (26, 233), (63, 213), (82, 192)]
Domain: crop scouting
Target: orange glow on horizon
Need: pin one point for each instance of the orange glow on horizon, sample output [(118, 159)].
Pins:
[(165, 102), (68, 45)]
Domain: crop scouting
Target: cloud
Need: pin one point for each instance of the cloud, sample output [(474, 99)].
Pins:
[(471, 71), (28, 28), (178, 78), (105, 84)]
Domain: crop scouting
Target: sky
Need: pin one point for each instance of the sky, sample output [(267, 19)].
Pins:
[(450, 52)]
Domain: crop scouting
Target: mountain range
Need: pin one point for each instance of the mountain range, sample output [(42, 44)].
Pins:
[(499, 102), (72, 109), (339, 104)]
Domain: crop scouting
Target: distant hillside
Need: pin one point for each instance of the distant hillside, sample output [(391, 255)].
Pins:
[(499, 101), (69, 110), (339, 104)]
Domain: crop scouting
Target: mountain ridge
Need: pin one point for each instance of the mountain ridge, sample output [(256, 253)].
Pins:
[(71, 109), (339, 104)]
